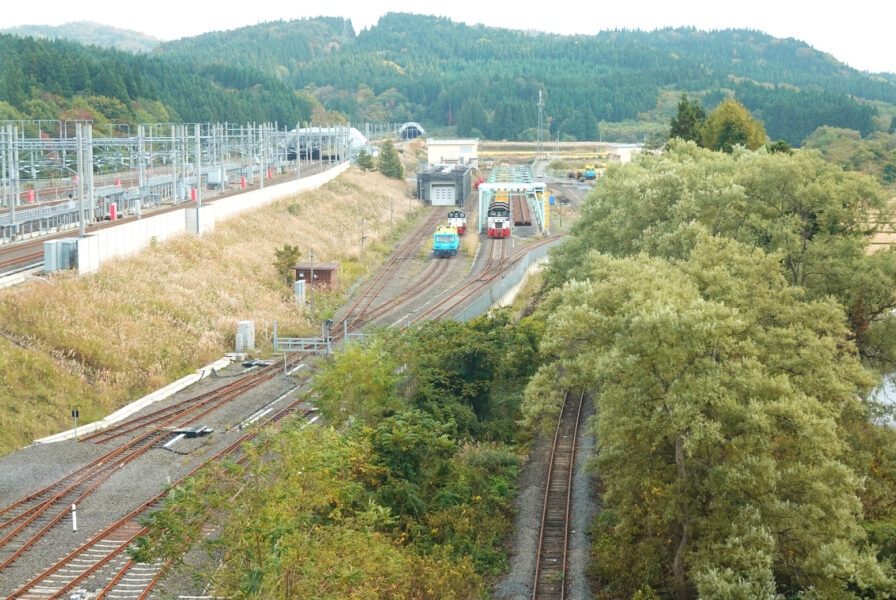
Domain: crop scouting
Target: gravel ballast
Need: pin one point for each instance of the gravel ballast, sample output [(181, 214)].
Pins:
[(523, 544)]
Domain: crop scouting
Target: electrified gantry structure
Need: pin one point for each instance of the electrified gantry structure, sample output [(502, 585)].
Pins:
[(57, 174), (513, 179)]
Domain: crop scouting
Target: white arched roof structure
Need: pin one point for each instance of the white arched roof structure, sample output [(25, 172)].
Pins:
[(411, 130)]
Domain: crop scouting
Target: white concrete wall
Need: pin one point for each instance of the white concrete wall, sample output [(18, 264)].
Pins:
[(450, 153), (128, 238), (125, 412)]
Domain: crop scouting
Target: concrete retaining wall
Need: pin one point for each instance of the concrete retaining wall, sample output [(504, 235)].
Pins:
[(128, 238), (123, 413)]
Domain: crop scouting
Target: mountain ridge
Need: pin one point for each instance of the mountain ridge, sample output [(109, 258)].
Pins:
[(486, 80), (90, 33)]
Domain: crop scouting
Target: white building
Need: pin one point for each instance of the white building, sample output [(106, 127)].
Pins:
[(453, 152)]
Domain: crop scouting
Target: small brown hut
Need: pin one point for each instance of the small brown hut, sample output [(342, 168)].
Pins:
[(325, 274)]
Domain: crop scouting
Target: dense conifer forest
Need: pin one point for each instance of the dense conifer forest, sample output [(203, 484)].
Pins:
[(481, 80)]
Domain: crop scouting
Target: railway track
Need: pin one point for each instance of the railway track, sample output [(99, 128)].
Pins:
[(27, 521), (496, 256), (355, 313), (103, 558), (24, 523), (553, 538), (162, 417), (15, 262), (432, 274), (22, 254), (494, 269)]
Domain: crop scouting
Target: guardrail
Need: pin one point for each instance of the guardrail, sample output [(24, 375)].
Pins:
[(508, 281)]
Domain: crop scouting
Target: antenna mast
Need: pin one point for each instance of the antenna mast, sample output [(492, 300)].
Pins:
[(540, 153)]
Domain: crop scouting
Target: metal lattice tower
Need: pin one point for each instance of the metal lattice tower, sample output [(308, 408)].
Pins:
[(64, 174), (540, 153)]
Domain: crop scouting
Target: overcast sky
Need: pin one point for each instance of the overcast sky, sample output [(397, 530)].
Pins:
[(861, 33)]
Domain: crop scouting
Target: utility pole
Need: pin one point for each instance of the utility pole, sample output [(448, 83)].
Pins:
[(311, 256), (13, 172), (540, 153), (173, 171), (363, 237), (261, 152), (298, 151), (88, 170), (198, 178), (79, 141)]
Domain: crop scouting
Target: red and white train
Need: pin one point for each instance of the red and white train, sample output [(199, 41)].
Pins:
[(499, 219), (458, 220)]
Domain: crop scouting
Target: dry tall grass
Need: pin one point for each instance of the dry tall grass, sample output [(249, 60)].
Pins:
[(100, 341)]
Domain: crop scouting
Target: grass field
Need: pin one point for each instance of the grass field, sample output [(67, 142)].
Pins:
[(101, 341)]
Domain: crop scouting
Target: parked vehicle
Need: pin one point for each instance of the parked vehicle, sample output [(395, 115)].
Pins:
[(445, 242), (458, 220), (499, 217)]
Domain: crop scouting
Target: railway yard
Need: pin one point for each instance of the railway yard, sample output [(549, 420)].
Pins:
[(117, 475)]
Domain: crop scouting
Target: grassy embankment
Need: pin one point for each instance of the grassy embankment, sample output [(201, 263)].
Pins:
[(99, 342)]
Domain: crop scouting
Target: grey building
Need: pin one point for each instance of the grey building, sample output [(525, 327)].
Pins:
[(445, 185)]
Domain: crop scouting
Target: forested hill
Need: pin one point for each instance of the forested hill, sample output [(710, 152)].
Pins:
[(88, 32), (279, 47), (58, 79), (486, 80)]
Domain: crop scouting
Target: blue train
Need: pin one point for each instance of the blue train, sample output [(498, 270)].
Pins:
[(445, 242)]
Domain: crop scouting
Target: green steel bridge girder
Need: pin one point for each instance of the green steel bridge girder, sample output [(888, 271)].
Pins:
[(512, 178)]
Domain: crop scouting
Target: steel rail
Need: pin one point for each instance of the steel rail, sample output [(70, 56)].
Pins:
[(31, 589), (436, 270), (464, 292), (387, 271), (553, 536), (103, 470)]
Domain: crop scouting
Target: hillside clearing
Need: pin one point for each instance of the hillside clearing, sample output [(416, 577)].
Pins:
[(101, 341)]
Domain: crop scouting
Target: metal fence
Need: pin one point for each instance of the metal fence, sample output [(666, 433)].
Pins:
[(499, 289)]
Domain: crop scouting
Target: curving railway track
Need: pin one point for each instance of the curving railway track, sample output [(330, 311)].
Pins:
[(27, 521), (553, 538), (102, 558), (495, 268), (359, 312)]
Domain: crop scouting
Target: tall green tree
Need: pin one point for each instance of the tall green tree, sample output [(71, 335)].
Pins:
[(816, 217), (729, 125), (471, 116), (722, 398), (365, 161), (686, 124), (285, 259), (360, 384), (388, 163), (14, 85)]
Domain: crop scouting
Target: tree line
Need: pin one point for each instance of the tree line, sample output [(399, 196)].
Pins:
[(482, 80), (405, 492), (56, 79), (725, 314), (439, 72)]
